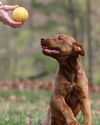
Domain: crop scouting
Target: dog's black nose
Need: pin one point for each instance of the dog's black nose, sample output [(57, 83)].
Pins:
[(42, 39)]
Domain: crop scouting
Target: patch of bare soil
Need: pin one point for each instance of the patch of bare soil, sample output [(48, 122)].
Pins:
[(94, 88), (25, 85)]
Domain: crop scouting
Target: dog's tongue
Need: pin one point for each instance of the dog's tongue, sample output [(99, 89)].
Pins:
[(52, 51)]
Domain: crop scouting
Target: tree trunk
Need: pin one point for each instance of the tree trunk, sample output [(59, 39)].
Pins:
[(89, 38), (72, 18)]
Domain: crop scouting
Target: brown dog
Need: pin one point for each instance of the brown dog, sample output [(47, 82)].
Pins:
[(70, 93)]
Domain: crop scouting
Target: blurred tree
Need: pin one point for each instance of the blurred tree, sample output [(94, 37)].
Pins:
[(27, 4), (18, 58), (72, 18), (89, 39), (77, 17)]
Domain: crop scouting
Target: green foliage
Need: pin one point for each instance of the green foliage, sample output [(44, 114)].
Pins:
[(49, 8), (51, 24), (56, 18), (45, 63), (36, 4)]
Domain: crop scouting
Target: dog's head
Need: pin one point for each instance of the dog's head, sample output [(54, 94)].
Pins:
[(61, 46)]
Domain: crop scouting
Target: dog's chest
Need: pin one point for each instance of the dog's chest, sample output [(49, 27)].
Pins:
[(69, 75), (72, 99)]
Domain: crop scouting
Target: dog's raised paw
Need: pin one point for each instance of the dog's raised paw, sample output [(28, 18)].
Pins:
[(74, 122)]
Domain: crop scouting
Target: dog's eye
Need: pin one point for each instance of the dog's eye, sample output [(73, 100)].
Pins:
[(59, 38)]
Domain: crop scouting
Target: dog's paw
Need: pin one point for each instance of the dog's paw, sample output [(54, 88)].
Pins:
[(73, 122)]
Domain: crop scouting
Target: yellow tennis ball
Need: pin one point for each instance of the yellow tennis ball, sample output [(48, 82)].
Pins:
[(20, 14)]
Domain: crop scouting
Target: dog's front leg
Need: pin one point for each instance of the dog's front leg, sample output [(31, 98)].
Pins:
[(85, 108), (60, 104)]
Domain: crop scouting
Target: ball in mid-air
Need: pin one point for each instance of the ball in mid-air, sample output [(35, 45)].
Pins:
[(20, 14)]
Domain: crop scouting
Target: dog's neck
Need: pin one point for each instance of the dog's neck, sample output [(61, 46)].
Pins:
[(70, 67)]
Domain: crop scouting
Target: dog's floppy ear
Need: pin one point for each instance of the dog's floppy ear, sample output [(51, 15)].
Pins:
[(78, 48)]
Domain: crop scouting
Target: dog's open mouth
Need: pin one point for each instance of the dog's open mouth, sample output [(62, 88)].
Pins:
[(50, 50)]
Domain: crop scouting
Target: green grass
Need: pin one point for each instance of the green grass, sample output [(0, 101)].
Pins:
[(16, 107)]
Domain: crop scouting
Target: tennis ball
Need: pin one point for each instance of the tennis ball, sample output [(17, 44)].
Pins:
[(20, 14)]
